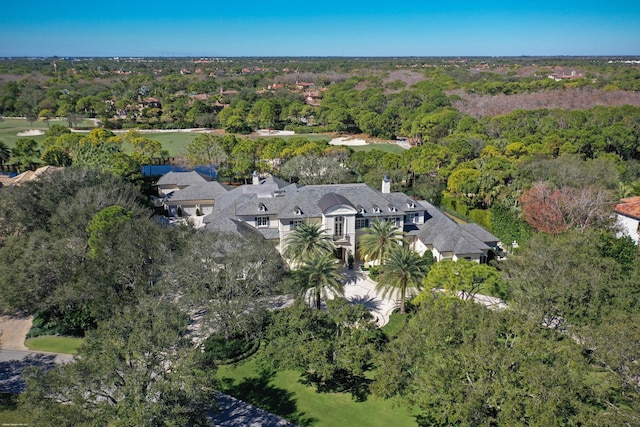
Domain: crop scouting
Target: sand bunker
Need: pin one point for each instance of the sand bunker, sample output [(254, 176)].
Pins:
[(347, 141), (270, 132), (32, 132)]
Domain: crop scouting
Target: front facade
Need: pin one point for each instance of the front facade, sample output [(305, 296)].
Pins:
[(275, 208)]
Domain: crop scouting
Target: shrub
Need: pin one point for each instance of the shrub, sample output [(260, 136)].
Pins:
[(217, 347), (481, 217)]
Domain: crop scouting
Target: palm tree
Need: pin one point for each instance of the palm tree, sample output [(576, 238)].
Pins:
[(5, 154), (402, 269), (306, 241), (320, 273), (378, 239)]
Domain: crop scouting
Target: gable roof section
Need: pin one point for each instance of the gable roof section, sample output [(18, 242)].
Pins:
[(445, 235), (202, 191), (31, 175), (182, 178), (479, 233), (629, 207)]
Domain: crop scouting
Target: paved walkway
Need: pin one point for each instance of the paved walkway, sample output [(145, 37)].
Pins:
[(360, 289)]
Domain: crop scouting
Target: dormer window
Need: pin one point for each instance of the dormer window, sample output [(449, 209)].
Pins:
[(297, 211), (262, 207), (392, 208), (376, 209), (411, 204)]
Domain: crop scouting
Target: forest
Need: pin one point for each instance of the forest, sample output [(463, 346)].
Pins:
[(538, 161)]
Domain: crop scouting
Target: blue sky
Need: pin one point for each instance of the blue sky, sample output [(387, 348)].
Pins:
[(321, 28)]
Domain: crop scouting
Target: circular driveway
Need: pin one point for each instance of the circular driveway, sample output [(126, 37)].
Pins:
[(360, 289)]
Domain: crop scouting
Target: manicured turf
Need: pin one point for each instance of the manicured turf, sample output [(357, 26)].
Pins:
[(55, 344), (174, 142), (9, 129), (389, 148), (283, 394), (396, 323)]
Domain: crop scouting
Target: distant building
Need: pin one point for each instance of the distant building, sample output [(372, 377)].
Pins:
[(559, 77), (27, 176), (628, 217)]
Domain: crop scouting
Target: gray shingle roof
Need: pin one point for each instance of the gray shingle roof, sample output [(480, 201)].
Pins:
[(230, 225), (282, 202), (200, 191), (182, 178), (446, 235), (480, 233)]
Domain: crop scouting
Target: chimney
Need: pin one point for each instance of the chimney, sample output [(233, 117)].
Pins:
[(386, 185), (256, 178)]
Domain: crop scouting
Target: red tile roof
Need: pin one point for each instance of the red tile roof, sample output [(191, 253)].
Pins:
[(629, 207)]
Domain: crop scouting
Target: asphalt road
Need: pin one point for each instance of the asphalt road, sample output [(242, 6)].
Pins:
[(7, 355), (14, 362)]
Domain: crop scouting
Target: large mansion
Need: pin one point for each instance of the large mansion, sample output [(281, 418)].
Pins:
[(275, 208)]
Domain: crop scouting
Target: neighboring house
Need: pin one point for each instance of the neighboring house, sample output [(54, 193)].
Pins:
[(275, 208), (173, 181), (27, 176), (628, 217)]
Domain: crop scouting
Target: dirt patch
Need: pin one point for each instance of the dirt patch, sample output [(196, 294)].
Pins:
[(13, 331)]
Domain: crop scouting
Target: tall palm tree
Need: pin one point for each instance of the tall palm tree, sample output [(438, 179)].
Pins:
[(402, 269), (307, 240), (320, 273), (5, 154), (379, 239)]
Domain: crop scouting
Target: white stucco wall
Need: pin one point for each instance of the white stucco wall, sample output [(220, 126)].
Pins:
[(628, 227)]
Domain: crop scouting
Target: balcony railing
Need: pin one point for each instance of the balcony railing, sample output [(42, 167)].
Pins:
[(341, 238)]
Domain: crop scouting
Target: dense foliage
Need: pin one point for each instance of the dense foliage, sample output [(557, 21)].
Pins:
[(538, 161)]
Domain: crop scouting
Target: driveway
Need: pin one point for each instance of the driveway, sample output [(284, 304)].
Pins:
[(237, 413), (360, 289), (15, 356)]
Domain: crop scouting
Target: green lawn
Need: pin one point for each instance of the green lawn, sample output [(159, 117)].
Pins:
[(389, 148), (174, 142), (283, 394), (9, 129), (396, 323), (54, 344)]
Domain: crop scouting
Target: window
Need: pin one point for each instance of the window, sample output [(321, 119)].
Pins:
[(413, 218), (362, 223), (394, 220), (338, 229), (262, 207), (262, 221), (293, 224)]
